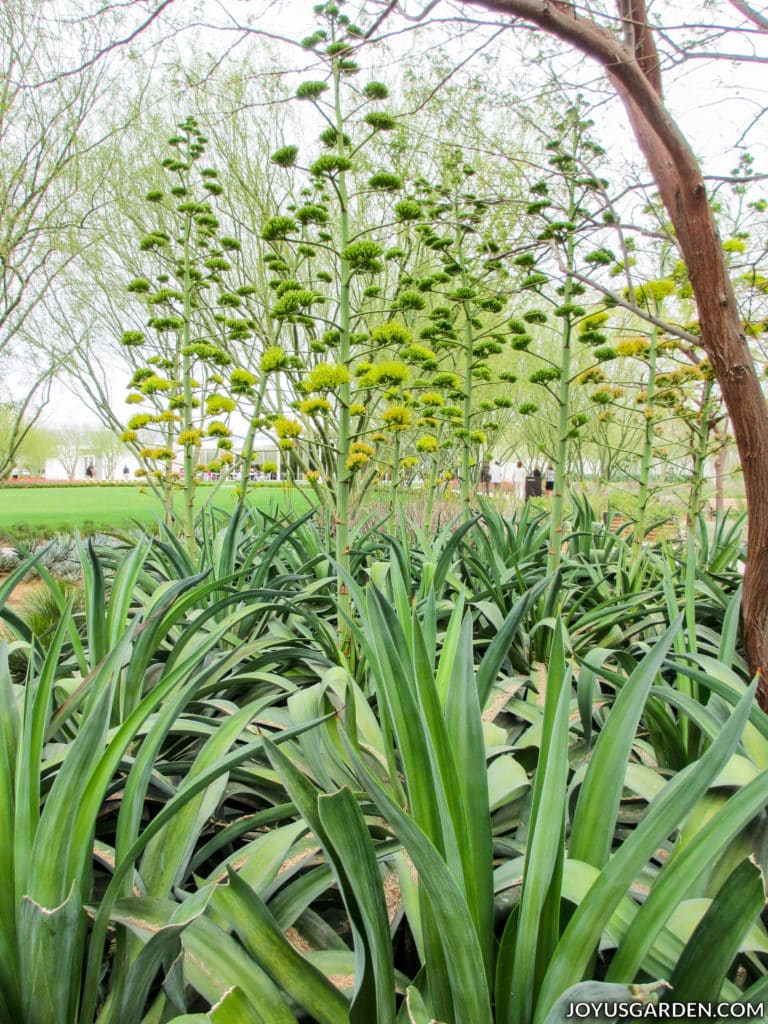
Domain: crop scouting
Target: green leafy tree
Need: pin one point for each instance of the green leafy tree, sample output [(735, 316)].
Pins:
[(47, 194)]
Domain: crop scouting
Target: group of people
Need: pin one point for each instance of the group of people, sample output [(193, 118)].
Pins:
[(492, 473)]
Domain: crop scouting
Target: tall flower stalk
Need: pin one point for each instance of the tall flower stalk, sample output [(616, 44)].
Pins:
[(185, 379)]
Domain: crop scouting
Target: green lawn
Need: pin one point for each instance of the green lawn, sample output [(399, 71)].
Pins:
[(52, 509)]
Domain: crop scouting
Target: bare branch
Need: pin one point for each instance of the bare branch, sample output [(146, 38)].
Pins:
[(114, 45), (750, 14)]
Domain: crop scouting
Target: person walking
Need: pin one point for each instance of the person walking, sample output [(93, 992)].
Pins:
[(518, 481), (485, 477), (497, 476), (549, 480)]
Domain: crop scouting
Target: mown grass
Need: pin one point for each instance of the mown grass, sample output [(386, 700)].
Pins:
[(48, 510)]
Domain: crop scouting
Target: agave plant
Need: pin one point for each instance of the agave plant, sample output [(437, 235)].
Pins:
[(502, 786), (425, 773)]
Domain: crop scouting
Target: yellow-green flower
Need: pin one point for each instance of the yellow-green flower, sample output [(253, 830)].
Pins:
[(419, 353), (274, 358), (593, 376), (286, 428), (137, 422), (218, 429), (325, 377), (632, 347), (241, 381), (356, 461), (397, 417), (190, 438), (157, 454), (314, 406), (216, 404), (362, 448), (426, 444), (389, 371), (154, 384), (391, 334)]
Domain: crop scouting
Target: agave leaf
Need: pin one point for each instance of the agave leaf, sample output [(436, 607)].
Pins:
[(592, 664), (10, 727), (600, 992), (534, 926), (507, 780), (7, 586), (686, 917), (125, 864), (681, 872), (50, 955), (464, 983), (361, 888), (582, 934), (594, 820), (413, 1010), (132, 987), (35, 718), (348, 843), (718, 936), (417, 728), (232, 1008), (258, 862), (213, 962), (445, 558), (266, 943), (166, 857), (644, 780), (468, 791), (449, 649), (95, 602), (499, 647)]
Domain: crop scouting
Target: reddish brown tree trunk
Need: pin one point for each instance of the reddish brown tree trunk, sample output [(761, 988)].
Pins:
[(633, 68)]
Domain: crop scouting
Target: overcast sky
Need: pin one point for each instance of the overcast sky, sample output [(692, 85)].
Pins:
[(716, 101)]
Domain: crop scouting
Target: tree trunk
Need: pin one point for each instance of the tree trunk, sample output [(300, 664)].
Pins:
[(633, 69)]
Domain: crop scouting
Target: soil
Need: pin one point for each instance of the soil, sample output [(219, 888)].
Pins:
[(21, 592)]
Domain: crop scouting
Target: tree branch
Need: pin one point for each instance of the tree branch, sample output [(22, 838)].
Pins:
[(755, 17)]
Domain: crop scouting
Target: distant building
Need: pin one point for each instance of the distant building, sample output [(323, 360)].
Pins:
[(105, 467)]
